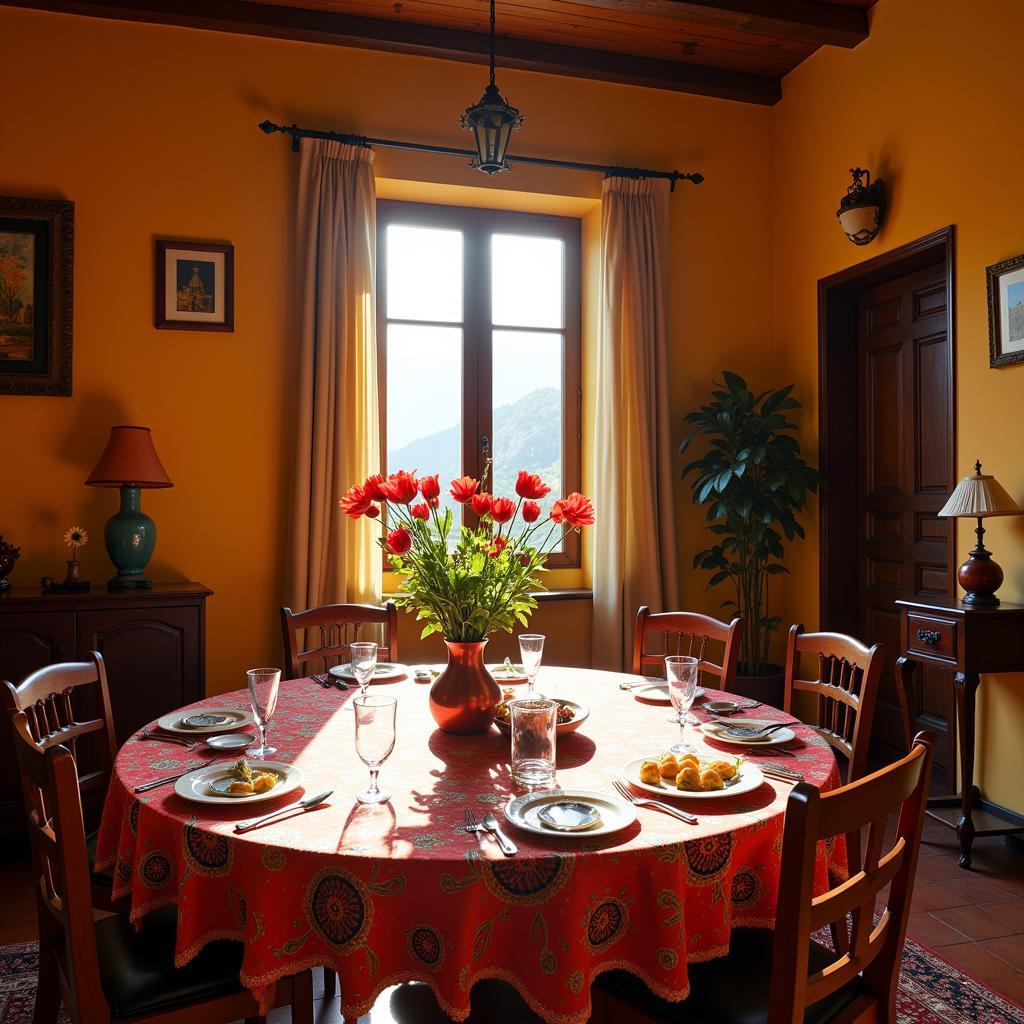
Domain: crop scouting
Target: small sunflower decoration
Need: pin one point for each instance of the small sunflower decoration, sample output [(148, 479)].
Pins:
[(75, 537)]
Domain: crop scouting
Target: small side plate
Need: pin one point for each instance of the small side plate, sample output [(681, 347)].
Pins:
[(507, 674), (569, 815), (656, 692), (231, 741)]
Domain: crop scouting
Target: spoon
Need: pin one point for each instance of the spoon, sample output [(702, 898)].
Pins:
[(304, 805)]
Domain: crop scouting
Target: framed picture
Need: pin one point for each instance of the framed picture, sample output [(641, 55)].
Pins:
[(1006, 312), (37, 253), (195, 286)]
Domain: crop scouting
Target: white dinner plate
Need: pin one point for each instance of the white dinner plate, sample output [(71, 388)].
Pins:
[(774, 739), (616, 814), (508, 673), (385, 672), (748, 778), (197, 785), (236, 719), (656, 692)]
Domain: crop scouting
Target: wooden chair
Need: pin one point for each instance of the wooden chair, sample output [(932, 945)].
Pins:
[(104, 970), (69, 703), (334, 626), (687, 633), (846, 687), (785, 976)]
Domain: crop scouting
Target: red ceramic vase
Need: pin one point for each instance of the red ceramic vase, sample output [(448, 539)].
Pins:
[(464, 695)]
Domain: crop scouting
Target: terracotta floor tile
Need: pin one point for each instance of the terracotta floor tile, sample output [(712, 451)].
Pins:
[(1009, 948), (976, 888), (17, 931), (979, 962), (977, 923), (1011, 912), (1010, 987), (932, 932), (935, 896)]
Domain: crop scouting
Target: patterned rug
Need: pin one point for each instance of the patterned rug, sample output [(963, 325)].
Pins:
[(932, 991)]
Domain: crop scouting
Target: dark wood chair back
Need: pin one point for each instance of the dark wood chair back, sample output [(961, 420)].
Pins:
[(875, 951), (329, 630), (687, 633), (56, 833), (69, 704), (846, 685)]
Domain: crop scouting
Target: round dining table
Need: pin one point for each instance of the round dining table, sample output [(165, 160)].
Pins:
[(402, 892)]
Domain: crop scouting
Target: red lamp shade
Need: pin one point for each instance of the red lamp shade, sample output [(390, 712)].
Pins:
[(129, 458)]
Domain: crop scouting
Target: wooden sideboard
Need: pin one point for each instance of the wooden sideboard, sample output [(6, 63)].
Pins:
[(153, 642)]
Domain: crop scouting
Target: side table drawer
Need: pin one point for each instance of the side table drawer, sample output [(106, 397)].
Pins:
[(932, 637)]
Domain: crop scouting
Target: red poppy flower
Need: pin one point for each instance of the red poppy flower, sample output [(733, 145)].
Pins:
[(420, 511), (530, 485), (429, 487), (356, 503), (481, 504), (464, 488), (374, 488), (401, 487), (576, 510), (498, 546), (531, 511), (502, 509), (399, 541)]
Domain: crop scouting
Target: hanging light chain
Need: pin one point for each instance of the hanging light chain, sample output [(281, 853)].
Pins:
[(492, 41)]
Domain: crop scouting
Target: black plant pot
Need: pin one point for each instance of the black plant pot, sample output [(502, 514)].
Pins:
[(768, 688)]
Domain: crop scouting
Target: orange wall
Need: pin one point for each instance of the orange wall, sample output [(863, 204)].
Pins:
[(152, 132), (928, 103)]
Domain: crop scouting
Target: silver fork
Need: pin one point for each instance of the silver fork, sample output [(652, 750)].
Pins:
[(657, 805), (148, 734)]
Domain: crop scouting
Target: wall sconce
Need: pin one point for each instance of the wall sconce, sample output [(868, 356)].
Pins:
[(861, 209)]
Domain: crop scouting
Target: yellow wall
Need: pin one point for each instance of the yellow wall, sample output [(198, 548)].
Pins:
[(152, 132), (928, 104)]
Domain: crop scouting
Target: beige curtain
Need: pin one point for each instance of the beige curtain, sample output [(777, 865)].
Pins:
[(331, 557), (634, 539)]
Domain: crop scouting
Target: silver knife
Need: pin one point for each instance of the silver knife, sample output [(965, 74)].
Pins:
[(305, 805), (507, 846)]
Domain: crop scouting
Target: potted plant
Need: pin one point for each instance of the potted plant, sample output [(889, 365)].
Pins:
[(466, 583), (754, 482)]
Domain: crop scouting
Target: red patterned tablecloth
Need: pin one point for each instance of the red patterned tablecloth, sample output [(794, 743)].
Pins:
[(399, 892)]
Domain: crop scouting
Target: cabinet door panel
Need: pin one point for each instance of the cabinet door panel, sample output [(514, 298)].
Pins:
[(152, 661)]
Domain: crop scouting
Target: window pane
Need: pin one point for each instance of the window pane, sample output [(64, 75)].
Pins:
[(424, 273), (527, 281), (424, 401), (528, 407)]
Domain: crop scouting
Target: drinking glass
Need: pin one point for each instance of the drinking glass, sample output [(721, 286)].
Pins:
[(682, 688), (263, 686), (533, 740), (363, 658), (531, 650), (375, 739)]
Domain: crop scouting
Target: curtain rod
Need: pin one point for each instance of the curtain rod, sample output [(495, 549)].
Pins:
[(297, 133)]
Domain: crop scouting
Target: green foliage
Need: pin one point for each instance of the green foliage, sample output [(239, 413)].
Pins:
[(754, 482)]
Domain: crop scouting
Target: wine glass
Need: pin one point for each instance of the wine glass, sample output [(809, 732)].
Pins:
[(531, 650), (363, 658), (681, 671), (375, 739), (263, 686)]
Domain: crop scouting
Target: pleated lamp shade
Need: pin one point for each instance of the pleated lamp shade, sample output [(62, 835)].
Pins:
[(979, 496), (129, 458)]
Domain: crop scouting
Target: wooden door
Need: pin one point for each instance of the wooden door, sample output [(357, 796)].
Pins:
[(152, 657), (905, 471)]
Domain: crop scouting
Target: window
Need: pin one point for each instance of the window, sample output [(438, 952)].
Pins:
[(478, 341)]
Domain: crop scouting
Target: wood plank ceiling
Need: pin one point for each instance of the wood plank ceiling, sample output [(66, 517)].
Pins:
[(735, 49)]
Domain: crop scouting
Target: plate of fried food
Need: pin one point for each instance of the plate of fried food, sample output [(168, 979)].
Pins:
[(246, 782), (693, 777), (569, 717)]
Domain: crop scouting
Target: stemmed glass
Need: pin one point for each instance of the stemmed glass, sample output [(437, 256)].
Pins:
[(531, 651), (263, 686), (363, 658), (375, 739), (681, 671)]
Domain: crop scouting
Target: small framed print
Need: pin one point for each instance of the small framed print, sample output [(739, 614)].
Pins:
[(37, 252), (1006, 312), (195, 286)]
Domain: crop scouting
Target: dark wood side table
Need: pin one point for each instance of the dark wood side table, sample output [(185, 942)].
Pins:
[(970, 641), (153, 642)]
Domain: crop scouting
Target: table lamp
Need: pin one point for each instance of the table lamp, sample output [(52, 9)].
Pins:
[(978, 497), (129, 462)]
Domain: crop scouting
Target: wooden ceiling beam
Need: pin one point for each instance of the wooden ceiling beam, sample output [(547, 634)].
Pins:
[(320, 26), (805, 21)]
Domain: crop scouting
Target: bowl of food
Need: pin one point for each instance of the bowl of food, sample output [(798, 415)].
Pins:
[(571, 714)]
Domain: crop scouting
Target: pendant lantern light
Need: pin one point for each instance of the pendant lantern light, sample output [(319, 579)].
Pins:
[(491, 121)]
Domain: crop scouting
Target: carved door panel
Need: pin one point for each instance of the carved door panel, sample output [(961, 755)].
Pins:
[(906, 472)]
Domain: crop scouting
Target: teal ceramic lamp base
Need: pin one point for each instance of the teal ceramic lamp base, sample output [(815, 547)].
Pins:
[(130, 536)]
